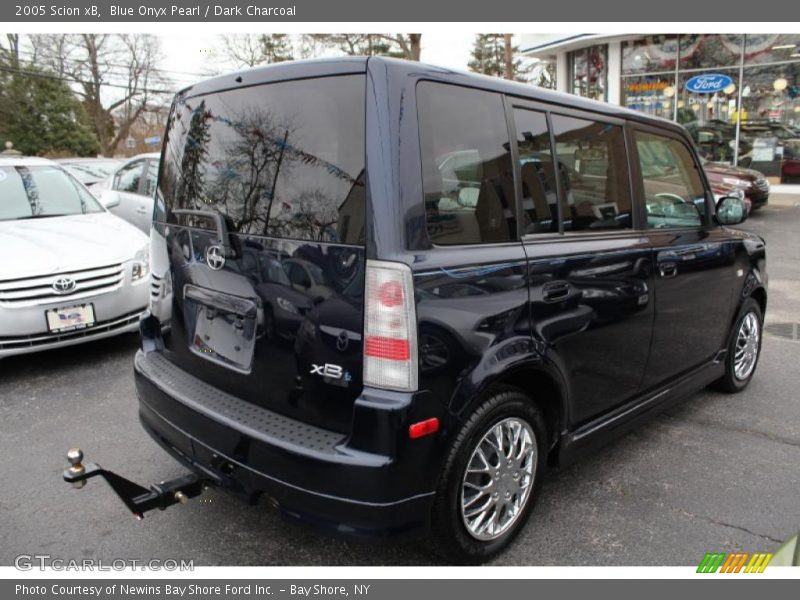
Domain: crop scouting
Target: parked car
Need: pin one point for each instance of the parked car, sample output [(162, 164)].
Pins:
[(444, 368), (90, 171), (128, 192), (726, 178), (715, 141), (73, 272)]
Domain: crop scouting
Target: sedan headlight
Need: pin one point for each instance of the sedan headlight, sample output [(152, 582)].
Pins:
[(286, 305), (737, 182), (141, 264)]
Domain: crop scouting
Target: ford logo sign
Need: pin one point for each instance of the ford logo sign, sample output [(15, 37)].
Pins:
[(708, 84)]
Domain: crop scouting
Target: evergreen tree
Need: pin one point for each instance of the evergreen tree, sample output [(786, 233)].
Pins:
[(195, 151), (276, 47), (493, 54), (41, 115)]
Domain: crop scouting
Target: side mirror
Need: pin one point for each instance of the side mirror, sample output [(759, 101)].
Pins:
[(731, 210), (109, 198)]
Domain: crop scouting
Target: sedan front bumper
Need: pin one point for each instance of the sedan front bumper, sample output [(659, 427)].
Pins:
[(23, 324)]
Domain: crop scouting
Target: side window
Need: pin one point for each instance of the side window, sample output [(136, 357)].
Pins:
[(151, 178), (674, 192), (539, 196), (467, 171), (128, 177), (298, 276), (593, 165)]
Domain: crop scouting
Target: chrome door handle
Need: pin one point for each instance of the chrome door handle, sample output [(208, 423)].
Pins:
[(556, 290), (667, 270)]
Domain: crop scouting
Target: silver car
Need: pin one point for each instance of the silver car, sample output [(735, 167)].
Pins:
[(71, 271), (128, 191)]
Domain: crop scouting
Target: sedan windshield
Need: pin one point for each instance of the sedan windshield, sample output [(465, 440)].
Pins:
[(90, 172), (33, 192)]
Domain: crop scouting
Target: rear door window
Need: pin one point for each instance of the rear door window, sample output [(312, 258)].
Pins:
[(593, 164), (129, 177), (281, 160), (467, 171), (151, 178)]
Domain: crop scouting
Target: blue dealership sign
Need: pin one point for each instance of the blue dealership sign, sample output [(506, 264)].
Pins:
[(708, 83)]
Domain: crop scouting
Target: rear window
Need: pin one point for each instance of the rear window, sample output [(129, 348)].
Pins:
[(467, 173), (281, 160)]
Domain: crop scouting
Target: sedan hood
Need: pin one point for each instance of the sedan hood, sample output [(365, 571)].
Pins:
[(740, 172), (53, 245)]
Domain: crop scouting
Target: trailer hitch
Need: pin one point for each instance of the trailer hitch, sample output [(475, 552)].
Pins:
[(138, 499)]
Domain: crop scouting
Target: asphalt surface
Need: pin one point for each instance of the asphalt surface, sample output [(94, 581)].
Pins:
[(717, 473)]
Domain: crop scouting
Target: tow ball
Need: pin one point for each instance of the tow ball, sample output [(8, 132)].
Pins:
[(138, 499)]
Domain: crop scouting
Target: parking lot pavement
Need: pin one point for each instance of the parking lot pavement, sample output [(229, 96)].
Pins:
[(716, 473)]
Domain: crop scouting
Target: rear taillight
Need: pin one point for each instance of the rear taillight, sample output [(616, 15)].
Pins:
[(390, 333)]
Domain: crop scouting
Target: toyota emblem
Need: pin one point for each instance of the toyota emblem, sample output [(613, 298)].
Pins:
[(215, 257), (64, 285)]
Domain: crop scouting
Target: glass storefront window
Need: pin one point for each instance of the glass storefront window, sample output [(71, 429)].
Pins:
[(702, 51), (771, 47), (710, 117), (763, 68), (650, 94), (589, 72), (650, 54), (771, 119)]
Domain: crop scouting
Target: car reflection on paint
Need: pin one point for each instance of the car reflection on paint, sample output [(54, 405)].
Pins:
[(458, 320)]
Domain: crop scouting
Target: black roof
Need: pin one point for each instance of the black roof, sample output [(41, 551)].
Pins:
[(319, 67)]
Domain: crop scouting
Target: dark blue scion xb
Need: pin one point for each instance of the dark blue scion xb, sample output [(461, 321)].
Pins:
[(386, 296)]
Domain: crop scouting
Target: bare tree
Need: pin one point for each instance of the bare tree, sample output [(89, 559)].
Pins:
[(410, 44), (398, 45), (10, 56), (508, 57), (117, 77), (249, 50)]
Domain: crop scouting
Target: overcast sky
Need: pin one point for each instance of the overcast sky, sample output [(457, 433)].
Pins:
[(187, 58)]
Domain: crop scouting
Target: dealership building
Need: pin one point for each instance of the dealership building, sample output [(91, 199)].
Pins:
[(737, 94)]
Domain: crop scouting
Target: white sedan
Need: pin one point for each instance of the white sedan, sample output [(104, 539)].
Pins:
[(71, 271)]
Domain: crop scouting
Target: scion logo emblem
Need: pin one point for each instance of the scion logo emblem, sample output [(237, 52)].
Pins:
[(342, 341), (64, 285), (215, 257)]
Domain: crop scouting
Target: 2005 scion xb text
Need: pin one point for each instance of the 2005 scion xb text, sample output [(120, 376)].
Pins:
[(181, 591)]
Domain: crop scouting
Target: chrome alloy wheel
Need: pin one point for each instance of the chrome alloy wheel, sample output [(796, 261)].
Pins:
[(499, 478), (746, 352)]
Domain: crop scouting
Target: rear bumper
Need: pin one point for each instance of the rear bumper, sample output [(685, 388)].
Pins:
[(312, 474)]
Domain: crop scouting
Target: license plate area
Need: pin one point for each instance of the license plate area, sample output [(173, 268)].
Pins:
[(70, 318), (221, 327)]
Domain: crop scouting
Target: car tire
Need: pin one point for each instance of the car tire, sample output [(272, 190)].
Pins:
[(744, 349), (514, 483)]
